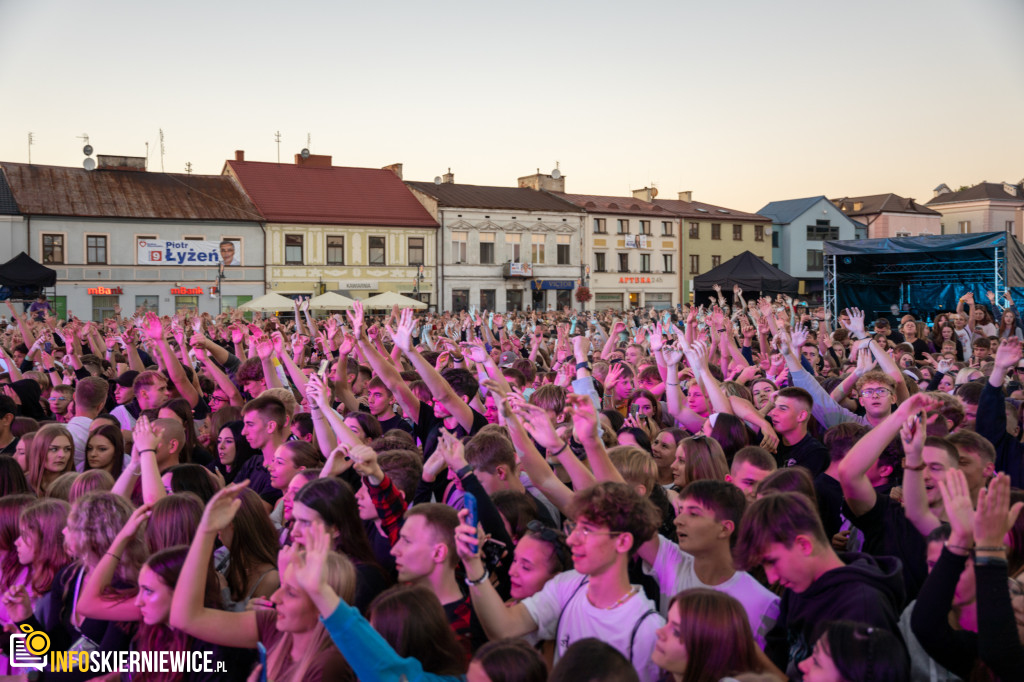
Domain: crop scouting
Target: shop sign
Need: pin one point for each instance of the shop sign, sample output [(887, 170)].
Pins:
[(185, 291), (553, 284), (189, 252), (639, 280), (104, 291)]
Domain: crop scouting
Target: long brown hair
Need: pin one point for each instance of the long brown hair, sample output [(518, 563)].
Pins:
[(45, 520), (715, 631), (412, 620), (11, 507), (253, 542), (704, 459), (37, 454), (113, 434), (174, 520)]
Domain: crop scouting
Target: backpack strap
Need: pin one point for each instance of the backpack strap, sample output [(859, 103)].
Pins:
[(572, 596), (636, 628)]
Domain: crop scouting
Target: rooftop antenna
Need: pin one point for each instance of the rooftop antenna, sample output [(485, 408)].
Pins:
[(277, 138), (162, 150), (309, 140), (147, 154), (30, 148), (188, 168)]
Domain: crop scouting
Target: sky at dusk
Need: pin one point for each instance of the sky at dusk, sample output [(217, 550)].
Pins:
[(742, 102)]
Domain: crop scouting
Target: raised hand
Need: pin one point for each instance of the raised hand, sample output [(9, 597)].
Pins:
[(264, 347), (584, 416), (279, 343), (1008, 354), (356, 318), (799, 336), (956, 497), (402, 337), (152, 327), (994, 516), (475, 350), (539, 425), (309, 567), (221, 509), (144, 435)]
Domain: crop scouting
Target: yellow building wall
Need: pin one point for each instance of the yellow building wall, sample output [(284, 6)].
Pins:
[(397, 275), (705, 247)]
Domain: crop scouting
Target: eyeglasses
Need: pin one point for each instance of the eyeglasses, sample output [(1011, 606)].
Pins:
[(571, 526), (217, 399), (875, 392), (58, 399)]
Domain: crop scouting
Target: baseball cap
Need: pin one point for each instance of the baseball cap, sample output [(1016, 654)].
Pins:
[(507, 358), (127, 378)]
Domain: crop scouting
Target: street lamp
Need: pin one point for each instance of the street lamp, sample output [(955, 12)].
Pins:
[(419, 278)]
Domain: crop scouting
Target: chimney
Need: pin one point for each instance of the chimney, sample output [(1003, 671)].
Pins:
[(239, 155), (686, 196), (135, 164), (448, 178), (647, 194), (538, 181), (395, 168), (313, 161)]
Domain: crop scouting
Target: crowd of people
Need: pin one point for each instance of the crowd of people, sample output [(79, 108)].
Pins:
[(744, 490)]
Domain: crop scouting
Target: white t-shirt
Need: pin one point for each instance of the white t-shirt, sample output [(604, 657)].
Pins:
[(79, 428), (581, 619), (124, 417), (673, 569)]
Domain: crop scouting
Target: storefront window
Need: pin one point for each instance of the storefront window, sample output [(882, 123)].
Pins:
[(513, 300), (148, 303), (608, 301), (103, 307), (658, 301), (190, 303), (460, 300), (563, 298)]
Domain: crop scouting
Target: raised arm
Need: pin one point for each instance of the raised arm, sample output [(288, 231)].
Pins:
[(382, 367), (92, 603), (154, 330)]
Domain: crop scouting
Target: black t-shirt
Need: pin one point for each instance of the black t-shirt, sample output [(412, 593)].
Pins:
[(888, 532), (11, 447), (808, 453), (395, 422), (428, 428), (830, 503)]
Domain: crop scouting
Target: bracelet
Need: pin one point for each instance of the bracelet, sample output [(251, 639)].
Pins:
[(920, 467), (996, 548), (464, 471), (561, 450), (583, 365), (116, 556), (990, 561), (147, 450), (474, 583), (959, 548), (669, 383)]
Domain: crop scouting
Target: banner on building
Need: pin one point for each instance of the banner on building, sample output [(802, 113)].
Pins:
[(189, 252)]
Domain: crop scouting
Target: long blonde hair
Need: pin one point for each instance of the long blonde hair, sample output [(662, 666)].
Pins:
[(341, 576)]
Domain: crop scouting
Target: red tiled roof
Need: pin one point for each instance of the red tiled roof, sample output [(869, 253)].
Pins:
[(482, 196), (64, 191), (983, 190), (335, 195), (881, 203), (593, 203), (702, 211)]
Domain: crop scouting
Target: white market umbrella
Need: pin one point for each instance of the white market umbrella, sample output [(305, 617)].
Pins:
[(330, 301), (390, 299), (268, 303)]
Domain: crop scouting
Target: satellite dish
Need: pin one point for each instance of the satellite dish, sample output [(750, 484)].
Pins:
[(89, 164), (87, 150), (437, 179), (304, 153), (654, 192), (556, 174)]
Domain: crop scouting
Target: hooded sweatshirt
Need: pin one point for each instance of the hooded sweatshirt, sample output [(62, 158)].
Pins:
[(867, 590)]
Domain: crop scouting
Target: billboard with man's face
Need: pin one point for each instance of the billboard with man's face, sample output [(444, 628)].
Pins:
[(189, 252)]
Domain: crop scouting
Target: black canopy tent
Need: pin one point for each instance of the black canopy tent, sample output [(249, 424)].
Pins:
[(24, 278), (922, 275), (752, 273)]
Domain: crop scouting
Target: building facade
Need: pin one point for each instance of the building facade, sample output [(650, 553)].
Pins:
[(631, 251), (889, 215), (504, 248), (799, 229), (712, 235), (985, 207), (356, 231), (120, 235)]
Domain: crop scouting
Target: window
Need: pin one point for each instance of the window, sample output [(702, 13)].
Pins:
[(378, 254), (716, 261), (775, 239), (667, 262), (293, 249), (148, 303), (460, 241), (694, 230), (645, 227), (737, 233), (694, 264), (190, 303), (964, 225), (814, 260), (599, 265), (487, 299), (716, 230), (666, 228), (599, 226), (623, 262), (623, 225), (822, 230), (513, 300), (53, 249), (416, 251), (103, 307), (645, 262), (513, 243), (758, 233), (336, 250), (537, 255), (903, 234), (487, 250), (563, 249), (96, 250), (1009, 226), (460, 300)]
